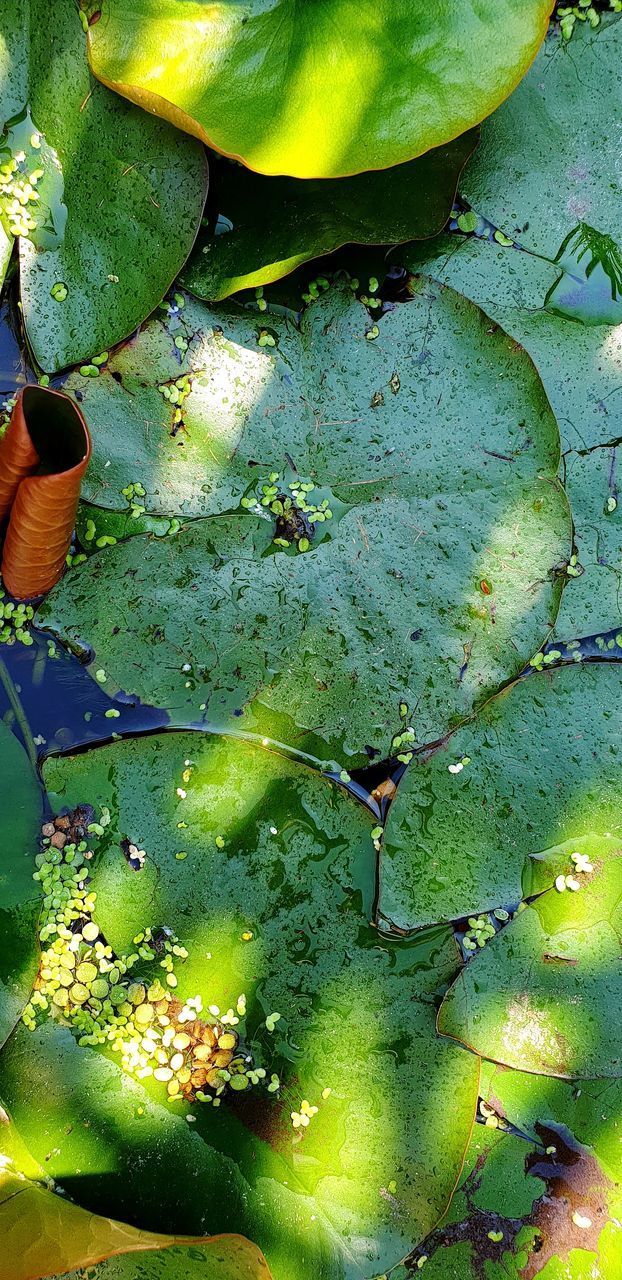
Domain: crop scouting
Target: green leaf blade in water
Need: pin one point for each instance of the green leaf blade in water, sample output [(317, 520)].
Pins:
[(590, 287)]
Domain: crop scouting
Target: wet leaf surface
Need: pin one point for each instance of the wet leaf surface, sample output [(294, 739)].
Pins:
[(541, 768), (549, 1208), (349, 89), (45, 1234), (539, 191), (416, 591), (20, 806), (543, 993), (267, 227), (272, 900), (115, 185)]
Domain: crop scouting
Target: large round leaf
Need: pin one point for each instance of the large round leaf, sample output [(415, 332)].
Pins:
[(349, 86), (20, 808), (543, 994), (272, 899), (547, 1208), (269, 226), (420, 590), (581, 369), (541, 768), (117, 187)]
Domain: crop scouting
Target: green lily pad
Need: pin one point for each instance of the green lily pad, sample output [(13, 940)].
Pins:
[(115, 186), (456, 839), (592, 603), (272, 900), (20, 809), (351, 88), (580, 366), (548, 1208), (269, 226), (44, 1233), (581, 369), (543, 993), (416, 591), (540, 189)]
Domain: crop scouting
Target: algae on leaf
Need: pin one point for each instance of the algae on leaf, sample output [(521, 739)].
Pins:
[(549, 1206), (111, 186)]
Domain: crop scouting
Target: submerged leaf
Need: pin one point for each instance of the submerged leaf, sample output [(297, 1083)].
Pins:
[(108, 186), (353, 86)]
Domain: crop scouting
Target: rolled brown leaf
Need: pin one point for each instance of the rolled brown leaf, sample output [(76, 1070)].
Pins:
[(18, 457), (46, 499)]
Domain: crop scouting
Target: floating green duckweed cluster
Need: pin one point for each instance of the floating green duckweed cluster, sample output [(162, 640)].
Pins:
[(110, 1000), (585, 11), (581, 866), (175, 393), (404, 739), (481, 930), (296, 513), (14, 620), (18, 192), (132, 492)]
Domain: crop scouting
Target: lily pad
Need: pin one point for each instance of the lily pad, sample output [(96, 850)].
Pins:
[(20, 809), (592, 602), (351, 88), (114, 183), (456, 839), (45, 1234), (580, 365), (541, 188), (546, 1208), (543, 993), (272, 900), (416, 591), (269, 226)]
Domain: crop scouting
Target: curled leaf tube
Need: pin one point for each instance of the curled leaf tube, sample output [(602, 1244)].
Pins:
[(43, 457)]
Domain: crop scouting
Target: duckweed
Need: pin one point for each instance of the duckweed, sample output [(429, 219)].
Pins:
[(15, 617), (112, 1001), (297, 515)]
